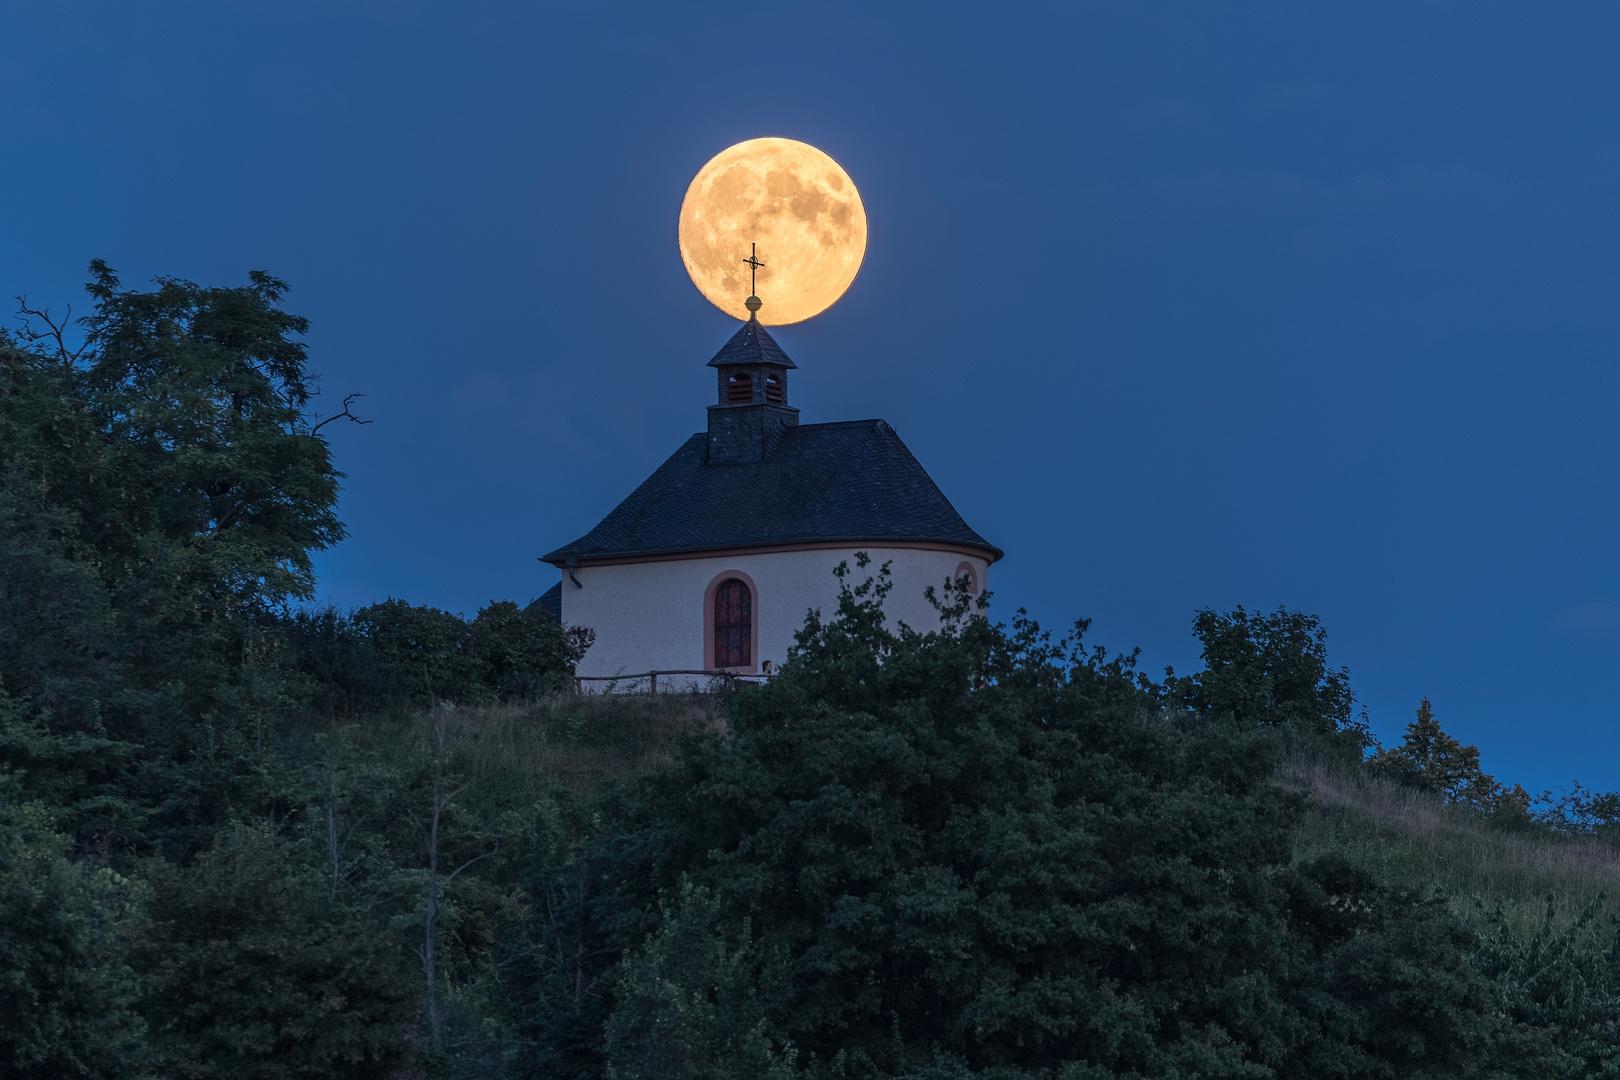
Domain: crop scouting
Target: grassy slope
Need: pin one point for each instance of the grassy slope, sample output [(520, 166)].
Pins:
[(518, 749), (1412, 838)]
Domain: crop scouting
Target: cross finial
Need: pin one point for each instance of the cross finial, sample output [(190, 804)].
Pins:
[(753, 262)]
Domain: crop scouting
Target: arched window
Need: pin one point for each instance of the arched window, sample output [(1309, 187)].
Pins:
[(740, 389), (964, 569), (731, 622), (733, 625)]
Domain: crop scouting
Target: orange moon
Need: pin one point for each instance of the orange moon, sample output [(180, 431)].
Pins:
[(797, 204)]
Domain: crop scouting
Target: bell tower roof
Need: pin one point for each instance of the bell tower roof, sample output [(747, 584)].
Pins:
[(751, 345)]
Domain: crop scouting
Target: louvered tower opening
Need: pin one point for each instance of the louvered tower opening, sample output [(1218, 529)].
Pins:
[(740, 389)]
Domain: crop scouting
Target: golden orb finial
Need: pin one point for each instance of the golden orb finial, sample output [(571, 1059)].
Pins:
[(753, 303)]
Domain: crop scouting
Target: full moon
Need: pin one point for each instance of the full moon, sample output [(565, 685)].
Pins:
[(797, 205)]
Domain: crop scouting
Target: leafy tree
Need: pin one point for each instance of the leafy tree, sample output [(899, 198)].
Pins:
[(66, 996), (1562, 980), (201, 392), (332, 661), (1430, 760), (395, 653), (690, 1007), (58, 629), (1273, 670), (248, 971), (418, 649), (1580, 810), (521, 653), (445, 835), (160, 488), (1383, 983), (54, 470), (586, 870)]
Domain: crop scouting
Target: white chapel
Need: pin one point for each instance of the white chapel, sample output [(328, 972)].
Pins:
[(713, 562)]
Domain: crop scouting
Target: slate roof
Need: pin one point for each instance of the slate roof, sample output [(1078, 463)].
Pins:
[(751, 345), (550, 602), (853, 481)]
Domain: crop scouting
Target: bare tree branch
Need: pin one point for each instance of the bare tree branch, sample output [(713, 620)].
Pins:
[(470, 861), (56, 331), (338, 416)]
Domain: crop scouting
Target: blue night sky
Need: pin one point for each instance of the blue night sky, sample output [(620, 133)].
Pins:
[(1182, 305)]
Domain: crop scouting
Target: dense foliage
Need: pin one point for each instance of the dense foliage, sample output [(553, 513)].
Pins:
[(243, 838), (163, 707), (985, 853)]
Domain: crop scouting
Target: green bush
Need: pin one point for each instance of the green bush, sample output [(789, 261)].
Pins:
[(1272, 670), (66, 995), (396, 654), (248, 972)]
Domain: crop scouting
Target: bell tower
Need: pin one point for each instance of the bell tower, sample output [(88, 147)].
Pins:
[(747, 421), (753, 410)]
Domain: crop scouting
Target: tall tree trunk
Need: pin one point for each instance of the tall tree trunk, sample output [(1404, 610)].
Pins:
[(331, 830), (433, 887), (430, 913)]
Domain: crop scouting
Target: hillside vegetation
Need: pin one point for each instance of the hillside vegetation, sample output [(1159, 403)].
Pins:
[(1416, 838), (240, 837), (1400, 834)]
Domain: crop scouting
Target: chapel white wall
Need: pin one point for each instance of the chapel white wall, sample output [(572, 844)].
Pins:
[(649, 616)]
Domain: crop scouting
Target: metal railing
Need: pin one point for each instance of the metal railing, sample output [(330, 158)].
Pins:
[(729, 677)]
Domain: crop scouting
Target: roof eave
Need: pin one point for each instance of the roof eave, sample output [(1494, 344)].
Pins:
[(766, 361), (559, 558)]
